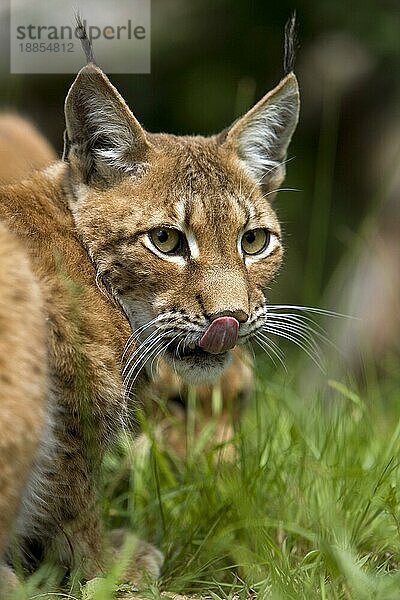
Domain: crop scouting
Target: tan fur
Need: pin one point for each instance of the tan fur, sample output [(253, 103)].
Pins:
[(22, 149), (22, 377), (86, 334), (84, 225)]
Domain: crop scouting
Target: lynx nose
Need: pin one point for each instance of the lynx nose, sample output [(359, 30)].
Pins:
[(221, 335)]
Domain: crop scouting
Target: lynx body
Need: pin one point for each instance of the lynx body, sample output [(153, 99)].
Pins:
[(136, 245)]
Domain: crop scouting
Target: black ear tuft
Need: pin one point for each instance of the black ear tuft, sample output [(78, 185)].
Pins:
[(85, 40), (291, 44)]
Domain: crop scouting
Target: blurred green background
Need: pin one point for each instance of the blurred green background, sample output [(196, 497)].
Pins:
[(212, 59)]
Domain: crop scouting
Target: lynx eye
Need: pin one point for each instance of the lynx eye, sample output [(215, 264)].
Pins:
[(255, 241), (168, 241)]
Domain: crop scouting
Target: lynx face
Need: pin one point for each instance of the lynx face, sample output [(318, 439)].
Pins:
[(180, 228)]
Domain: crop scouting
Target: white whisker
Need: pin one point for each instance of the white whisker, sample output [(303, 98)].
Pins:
[(129, 380), (155, 350), (276, 190), (307, 344), (259, 181), (310, 351), (141, 352), (274, 347), (311, 309), (163, 349), (133, 337), (268, 348), (301, 332), (138, 352), (301, 323)]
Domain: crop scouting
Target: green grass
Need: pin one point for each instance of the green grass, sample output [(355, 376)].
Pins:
[(307, 506)]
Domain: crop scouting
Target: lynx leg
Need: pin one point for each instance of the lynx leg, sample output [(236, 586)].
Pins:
[(84, 548), (80, 546)]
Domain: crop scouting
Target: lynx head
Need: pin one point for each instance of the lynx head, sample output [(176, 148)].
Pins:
[(180, 229)]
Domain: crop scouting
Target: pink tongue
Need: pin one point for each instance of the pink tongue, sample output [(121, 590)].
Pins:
[(220, 336)]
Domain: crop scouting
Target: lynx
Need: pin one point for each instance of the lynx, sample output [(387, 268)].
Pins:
[(134, 246), (23, 149)]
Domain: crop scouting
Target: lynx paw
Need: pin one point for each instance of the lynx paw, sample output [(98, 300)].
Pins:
[(146, 561)]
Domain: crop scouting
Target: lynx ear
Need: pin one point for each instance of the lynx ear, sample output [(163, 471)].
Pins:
[(103, 140), (261, 137)]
